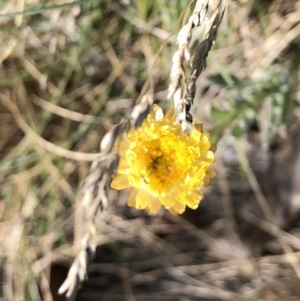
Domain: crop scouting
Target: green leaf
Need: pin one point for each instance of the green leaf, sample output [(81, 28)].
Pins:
[(250, 114), (239, 128), (220, 114)]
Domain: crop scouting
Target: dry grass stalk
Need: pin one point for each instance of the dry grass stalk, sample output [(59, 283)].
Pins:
[(50, 147), (208, 14), (95, 194)]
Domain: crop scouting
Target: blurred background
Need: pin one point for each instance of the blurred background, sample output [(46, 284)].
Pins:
[(70, 71)]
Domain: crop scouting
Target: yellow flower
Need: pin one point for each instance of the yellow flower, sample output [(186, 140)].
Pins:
[(163, 166)]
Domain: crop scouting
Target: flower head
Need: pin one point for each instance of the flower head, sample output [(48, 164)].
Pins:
[(164, 166)]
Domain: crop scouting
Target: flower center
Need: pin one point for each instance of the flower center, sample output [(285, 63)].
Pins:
[(166, 167), (157, 173)]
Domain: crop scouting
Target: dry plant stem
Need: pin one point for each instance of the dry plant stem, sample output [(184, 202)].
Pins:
[(171, 260), (227, 201), (65, 112), (94, 194), (286, 247), (208, 14), (11, 273), (48, 146)]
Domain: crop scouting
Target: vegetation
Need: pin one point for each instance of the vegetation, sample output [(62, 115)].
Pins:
[(72, 70)]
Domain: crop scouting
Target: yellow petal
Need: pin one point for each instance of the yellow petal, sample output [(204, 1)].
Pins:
[(123, 145), (206, 182), (123, 166), (205, 143), (120, 182), (166, 201), (132, 197), (154, 204), (207, 156), (195, 137), (170, 114), (193, 200), (142, 199), (199, 127), (200, 194), (178, 208), (173, 211), (210, 173), (213, 147)]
